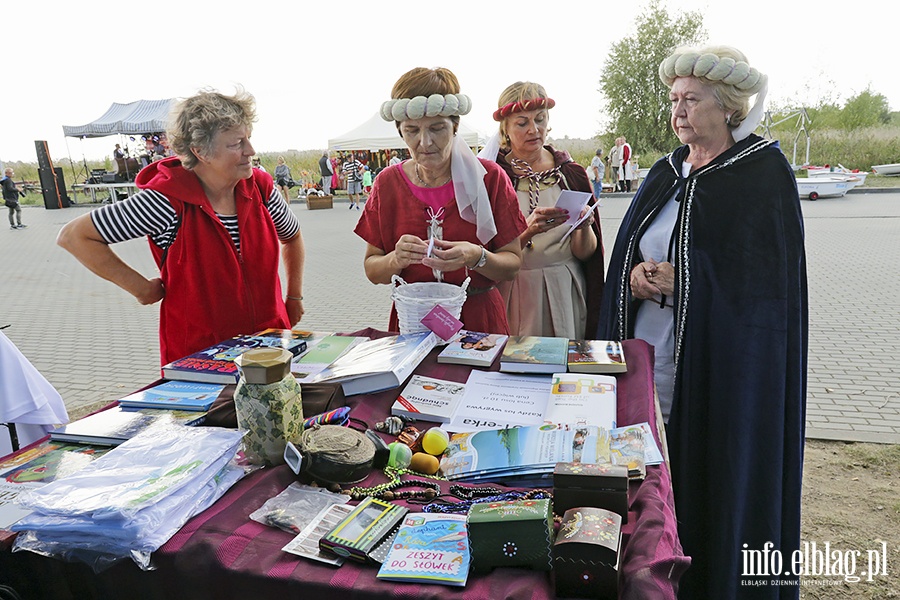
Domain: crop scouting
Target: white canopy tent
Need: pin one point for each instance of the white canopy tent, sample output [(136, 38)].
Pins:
[(377, 134), (135, 118)]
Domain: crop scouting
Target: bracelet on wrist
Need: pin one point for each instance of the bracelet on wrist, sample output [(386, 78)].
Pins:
[(300, 298), (482, 260)]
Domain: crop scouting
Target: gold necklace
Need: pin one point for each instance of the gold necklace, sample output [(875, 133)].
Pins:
[(419, 178)]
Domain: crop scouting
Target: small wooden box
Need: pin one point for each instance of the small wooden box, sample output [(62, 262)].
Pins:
[(516, 533), (317, 202), (586, 554), (597, 486)]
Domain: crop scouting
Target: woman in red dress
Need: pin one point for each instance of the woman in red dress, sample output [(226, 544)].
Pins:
[(444, 214)]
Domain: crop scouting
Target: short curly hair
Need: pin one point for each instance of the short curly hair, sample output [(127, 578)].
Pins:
[(195, 121)]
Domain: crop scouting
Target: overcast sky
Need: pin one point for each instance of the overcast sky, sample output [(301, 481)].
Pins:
[(319, 69)]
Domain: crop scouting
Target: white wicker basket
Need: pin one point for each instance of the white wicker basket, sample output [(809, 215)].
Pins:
[(415, 300)]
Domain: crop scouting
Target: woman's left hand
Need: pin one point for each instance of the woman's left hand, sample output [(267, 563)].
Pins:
[(450, 256), (651, 279), (294, 310), (588, 221)]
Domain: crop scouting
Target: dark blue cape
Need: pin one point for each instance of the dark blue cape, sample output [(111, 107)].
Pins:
[(736, 431)]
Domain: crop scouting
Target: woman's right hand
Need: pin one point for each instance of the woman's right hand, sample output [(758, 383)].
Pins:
[(543, 219), (154, 292), (410, 250)]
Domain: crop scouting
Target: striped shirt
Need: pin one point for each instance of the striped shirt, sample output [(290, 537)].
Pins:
[(351, 169), (149, 213)]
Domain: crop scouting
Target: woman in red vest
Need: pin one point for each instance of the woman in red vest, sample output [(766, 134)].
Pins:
[(216, 227)]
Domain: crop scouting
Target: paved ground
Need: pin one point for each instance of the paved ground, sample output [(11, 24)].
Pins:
[(95, 343)]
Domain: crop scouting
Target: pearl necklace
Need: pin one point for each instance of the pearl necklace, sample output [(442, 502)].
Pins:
[(419, 178)]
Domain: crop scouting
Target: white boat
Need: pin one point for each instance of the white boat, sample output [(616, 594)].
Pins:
[(892, 169), (822, 187), (856, 177)]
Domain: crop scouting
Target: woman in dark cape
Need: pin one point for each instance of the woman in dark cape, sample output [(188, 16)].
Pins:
[(732, 279)]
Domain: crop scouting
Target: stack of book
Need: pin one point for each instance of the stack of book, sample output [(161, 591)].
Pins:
[(536, 354), (216, 363), (378, 364), (117, 424), (522, 456)]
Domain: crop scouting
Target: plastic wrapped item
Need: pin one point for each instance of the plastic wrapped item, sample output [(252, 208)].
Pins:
[(133, 501), (296, 506), (138, 473), (49, 537)]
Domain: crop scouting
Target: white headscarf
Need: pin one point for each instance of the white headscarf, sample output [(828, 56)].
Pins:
[(471, 193)]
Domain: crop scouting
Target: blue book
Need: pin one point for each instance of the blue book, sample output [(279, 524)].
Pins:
[(429, 548), (180, 395)]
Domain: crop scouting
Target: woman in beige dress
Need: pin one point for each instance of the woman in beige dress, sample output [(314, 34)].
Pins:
[(561, 280)]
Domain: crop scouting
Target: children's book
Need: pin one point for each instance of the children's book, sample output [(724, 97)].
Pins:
[(534, 354), (216, 363), (429, 399), (582, 399), (115, 425), (378, 364), (627, 450), (429, 548), (325, 351), (596, 356), (503, 453), (652, 455), (180, 395), (473, 348), (35, 467)]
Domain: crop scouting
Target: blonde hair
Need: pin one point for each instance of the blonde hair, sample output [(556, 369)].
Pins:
[(724, 69), (195, 121), (519, 91)]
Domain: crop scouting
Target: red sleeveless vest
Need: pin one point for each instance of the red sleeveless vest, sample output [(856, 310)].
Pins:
[(214, 292)]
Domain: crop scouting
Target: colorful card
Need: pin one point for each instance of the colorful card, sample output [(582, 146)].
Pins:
[(442, 323)]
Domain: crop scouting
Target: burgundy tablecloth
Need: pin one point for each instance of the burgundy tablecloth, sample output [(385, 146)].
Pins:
[(222, 554)]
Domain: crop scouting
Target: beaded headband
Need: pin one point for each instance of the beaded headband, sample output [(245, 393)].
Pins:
[(530, 104), (435, 105), (709, 66)]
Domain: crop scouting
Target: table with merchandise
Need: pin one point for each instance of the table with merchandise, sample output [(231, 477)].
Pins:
[(223, 553)]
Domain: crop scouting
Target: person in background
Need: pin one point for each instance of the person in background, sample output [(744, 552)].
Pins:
[(560, 278), (615, 161), (442, 215), (709, 268), (257, 164), (11, 199), (625, 173), (326, 171), (596, 172), (367, 180), (216, 228), (283, 177), (352, 170), (395, 159), (158, 148)]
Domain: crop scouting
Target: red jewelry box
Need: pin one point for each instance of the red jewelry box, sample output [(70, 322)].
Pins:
[(586, 554), (598, 486)]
